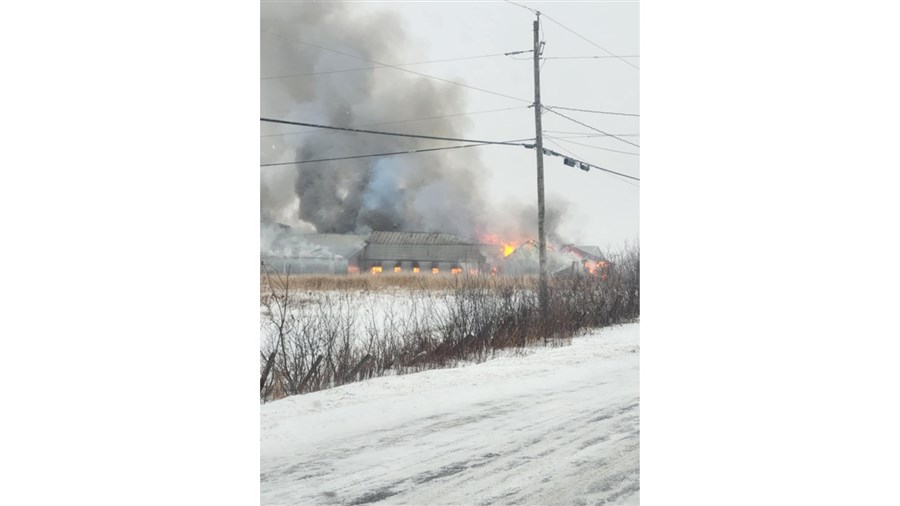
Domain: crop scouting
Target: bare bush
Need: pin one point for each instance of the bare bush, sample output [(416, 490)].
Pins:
[(317, 338)]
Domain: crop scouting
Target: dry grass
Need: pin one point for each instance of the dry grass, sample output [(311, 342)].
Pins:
[(386, 281), (321, 340)]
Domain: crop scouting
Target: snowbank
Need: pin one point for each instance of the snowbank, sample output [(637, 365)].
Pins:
[(559, 426)]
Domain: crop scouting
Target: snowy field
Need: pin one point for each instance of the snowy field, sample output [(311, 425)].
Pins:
[(367, 312), (559, 426)]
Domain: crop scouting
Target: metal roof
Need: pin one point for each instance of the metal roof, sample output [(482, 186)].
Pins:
[(591, 252), (420, 247), (288, 243), (344, 245), (418, 238)]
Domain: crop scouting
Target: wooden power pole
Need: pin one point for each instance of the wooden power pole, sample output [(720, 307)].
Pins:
[(543, 294)]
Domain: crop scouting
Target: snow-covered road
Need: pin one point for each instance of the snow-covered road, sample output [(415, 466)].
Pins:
[(559, 426)]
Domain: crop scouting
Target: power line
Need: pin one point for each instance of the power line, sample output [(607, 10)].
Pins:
[(595, 147), (405, 120), (589, 126), (373, 155), (583, 134), (389, 154), (384, 66), (358, 130), (591, 42), (522, 6), (596, 112), (418, 73), (554, 153), (404, 70), (590, 57)]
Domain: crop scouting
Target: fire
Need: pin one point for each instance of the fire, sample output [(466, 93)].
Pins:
[(435, 270), (376, 269), (416, 269), (455, 270), (506, 247), (596, 268), (397, 269)]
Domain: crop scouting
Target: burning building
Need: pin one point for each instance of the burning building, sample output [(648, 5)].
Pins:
[(341, 195), (284, 250), (591, 258), (564, 260), (287, 250), (415, 252)]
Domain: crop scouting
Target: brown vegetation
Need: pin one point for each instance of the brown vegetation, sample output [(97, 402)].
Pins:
[(382, 281), (320, 334)]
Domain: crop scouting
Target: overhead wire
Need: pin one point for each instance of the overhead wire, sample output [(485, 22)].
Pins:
[(393, 153), (583, 134), (284, 134), (522, 6), (591, 57), (591, 146), (595, 112), (589, 126), (474, 143), (590, 41), (373, 155), (383, 66), (403, 69), (395, 134), (579, 159)]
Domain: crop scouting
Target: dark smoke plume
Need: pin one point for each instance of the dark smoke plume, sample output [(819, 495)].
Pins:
[(437, 191)]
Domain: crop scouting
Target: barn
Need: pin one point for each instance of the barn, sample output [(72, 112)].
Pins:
[(425, 252), (297, 253)]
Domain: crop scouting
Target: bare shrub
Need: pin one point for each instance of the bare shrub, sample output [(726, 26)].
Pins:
[(324, 331), (385, 281)]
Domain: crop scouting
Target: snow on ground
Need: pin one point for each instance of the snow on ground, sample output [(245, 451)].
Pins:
[(559, 426), (368, 311)]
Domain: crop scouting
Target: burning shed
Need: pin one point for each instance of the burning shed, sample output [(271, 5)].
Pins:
[(591, 253), (565, 260), (591, 258), (419, 252)]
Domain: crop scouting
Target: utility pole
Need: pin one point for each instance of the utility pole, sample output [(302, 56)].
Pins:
[(543, 294)]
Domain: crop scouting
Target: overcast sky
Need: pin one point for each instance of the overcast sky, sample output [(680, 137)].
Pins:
[(599, 208)]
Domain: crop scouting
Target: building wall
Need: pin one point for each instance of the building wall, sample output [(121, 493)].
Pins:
[(425, 251)]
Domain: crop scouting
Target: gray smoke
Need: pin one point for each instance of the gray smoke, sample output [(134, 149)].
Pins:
[(436, 191)]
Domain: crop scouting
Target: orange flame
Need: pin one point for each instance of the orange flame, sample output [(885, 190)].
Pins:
[(506, 247), (596, 268), (376, 269)]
